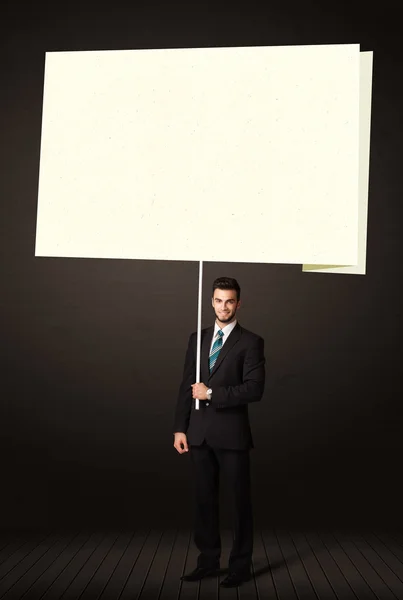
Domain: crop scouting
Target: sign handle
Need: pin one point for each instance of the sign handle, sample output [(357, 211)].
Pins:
[(199, 311)]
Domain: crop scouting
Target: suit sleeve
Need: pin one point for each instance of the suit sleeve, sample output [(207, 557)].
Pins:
[(184, 400), (253, 380)]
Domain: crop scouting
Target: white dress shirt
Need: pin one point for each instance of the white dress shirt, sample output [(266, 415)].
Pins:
[(226, 331)]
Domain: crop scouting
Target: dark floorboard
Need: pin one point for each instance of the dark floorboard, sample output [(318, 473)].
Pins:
[(147, 564)]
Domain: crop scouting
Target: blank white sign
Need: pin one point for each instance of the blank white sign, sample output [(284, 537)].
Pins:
[(214, 154)]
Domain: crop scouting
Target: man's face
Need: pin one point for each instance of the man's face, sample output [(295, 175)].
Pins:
[(225, 305)]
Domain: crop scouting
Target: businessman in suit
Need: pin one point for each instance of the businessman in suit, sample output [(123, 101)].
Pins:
[(218, 435)]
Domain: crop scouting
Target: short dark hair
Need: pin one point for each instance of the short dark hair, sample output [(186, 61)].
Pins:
[(227, 283)]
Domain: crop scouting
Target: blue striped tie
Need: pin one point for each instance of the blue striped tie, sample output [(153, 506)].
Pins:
[(215, 350)]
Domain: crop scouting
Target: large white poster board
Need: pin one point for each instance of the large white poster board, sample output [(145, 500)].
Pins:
[(214, 154)]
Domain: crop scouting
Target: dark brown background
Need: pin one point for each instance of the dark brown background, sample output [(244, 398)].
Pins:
[(86, 419)]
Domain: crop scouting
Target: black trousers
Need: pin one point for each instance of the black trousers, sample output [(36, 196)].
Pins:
[(234, 465)]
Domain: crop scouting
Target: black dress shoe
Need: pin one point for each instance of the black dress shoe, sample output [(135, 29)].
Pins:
[(235, 579), (200, 573)]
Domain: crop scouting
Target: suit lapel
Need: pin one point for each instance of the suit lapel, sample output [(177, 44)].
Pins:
[(204, 354), (230, 343)]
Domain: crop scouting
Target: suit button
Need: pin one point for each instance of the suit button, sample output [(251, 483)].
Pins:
[(207, 403)]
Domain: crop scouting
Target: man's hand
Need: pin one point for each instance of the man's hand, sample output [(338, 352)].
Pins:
[(199, 391), (180, 442)]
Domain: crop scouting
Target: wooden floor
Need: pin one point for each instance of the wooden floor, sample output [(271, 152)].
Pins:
[(287, 565)]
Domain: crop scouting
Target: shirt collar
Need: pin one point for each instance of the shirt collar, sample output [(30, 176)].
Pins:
[(226, 330)]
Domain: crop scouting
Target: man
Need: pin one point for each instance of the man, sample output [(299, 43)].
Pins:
[(218, 435)]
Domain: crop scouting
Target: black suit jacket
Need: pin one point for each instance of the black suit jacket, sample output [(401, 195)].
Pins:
[(238, 378)]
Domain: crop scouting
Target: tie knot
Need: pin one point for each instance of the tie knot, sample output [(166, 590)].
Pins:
[(220, 333)]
